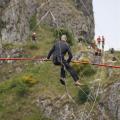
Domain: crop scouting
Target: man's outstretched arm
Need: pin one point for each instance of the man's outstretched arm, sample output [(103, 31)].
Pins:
[(51, 52)]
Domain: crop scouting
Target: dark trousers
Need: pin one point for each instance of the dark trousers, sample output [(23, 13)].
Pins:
[(72, 72)]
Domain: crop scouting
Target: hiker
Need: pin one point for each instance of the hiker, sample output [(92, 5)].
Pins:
[(58, 53), (34, 37), (103, 42)]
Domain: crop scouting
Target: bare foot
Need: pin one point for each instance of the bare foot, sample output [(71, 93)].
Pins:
[(77, 83)]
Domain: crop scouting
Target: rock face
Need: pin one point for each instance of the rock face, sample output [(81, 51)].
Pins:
[(108, 108), (16, 14), (14, 23), (75, 16), (111, 101), (63, 109)]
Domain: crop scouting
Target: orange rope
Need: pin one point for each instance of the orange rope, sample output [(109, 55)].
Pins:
[(42, 59)]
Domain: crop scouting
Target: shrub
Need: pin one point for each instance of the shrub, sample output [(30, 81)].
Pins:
[(83, 94), (18, 86), (33, 46), (29, 79), (7, 46), (84, 69), (21, 89), (70, 37), (4, 88), (87, 70), (33, 22)]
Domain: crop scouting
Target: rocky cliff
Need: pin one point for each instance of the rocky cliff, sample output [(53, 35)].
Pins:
[(71, 14), (108, 107), (14, 20), (111, 101)]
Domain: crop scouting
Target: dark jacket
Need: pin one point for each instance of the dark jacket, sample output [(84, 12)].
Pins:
[(59, 50)]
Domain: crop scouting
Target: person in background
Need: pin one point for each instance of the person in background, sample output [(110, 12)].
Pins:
[(34, 37), (112, 50)]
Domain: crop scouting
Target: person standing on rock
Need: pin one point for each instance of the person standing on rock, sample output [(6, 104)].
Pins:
[(58, 52)]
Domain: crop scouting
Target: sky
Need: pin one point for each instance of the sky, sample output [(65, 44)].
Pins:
[(107, 21)]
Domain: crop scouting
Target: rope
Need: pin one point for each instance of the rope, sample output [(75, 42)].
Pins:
[(69, 95), (43, 59), (24, 59)]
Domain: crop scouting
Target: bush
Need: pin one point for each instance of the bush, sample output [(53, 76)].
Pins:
[(8, 46), (4, 88), (76, 66), (17, 86), (83, 94), (33, 46), (87, 70), (70, 37), (29, 79), (33, 22), (84, 69), (21, 89)]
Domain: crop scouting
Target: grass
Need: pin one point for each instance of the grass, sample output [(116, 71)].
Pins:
[(33, 22), (20, 91)]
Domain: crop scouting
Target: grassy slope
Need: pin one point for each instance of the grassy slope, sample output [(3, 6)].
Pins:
[(13, 105)]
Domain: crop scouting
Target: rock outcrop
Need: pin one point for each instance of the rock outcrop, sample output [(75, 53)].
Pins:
[(108, 107), (111, 101), (14, 20), (16, 15), (69, 15), (64, 109)]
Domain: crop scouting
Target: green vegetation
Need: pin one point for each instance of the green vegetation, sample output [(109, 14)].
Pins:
[(85, 69), (30, 80), (32, 46), (33, 22), (20, 91), (70, 36), (84, 96), (8, 46)]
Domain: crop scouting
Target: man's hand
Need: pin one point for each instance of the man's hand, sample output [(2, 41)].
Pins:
[(45, 59)]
